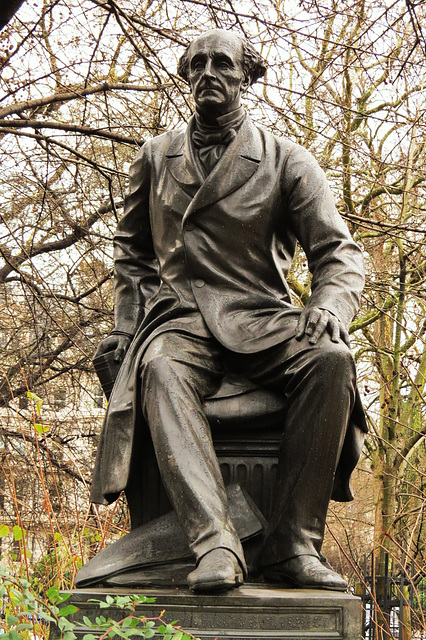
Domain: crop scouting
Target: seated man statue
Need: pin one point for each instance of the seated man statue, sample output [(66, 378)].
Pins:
[(209, 230)]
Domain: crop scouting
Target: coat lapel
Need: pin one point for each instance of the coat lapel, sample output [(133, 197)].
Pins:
[(181, 162), (239, 162)]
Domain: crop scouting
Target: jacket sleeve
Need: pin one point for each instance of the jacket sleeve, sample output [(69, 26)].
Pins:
[(334, 259), (135, 264)]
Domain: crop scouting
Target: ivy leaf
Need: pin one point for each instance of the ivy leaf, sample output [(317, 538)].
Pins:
[(4, 530)]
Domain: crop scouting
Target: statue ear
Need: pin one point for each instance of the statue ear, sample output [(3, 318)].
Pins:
[(245, 83)]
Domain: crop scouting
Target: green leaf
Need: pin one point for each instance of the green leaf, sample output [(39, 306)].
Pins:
[(18, 533), (22, 626), (11, 620), (87, 622), (38, 401), (15, 596), (124, 602), (109, 599), (178, 635), (89, 636), (45, 616), (64, 597), (14, 635), (68, 610), (65, 625), (69, 635), (53, 595), (149, 633), (41, 428), (4, 530), (161, 628)]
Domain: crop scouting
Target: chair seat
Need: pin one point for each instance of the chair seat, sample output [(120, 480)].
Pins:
[(239, 408)]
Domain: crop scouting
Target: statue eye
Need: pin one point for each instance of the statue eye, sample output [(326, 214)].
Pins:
[(197, 66)]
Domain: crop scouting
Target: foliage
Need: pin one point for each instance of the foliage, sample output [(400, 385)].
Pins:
[(28, 616)]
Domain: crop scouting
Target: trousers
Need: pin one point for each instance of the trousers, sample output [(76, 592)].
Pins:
[(178, 371)]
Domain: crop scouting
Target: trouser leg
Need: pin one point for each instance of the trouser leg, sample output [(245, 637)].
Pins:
[(319, 385), (177, 373)]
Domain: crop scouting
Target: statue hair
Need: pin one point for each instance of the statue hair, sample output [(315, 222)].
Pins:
[(253, 63)]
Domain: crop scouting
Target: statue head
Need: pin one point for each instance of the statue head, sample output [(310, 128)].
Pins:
[(219, 66)]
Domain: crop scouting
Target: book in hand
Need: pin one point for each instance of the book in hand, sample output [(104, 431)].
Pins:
[(107, 371)]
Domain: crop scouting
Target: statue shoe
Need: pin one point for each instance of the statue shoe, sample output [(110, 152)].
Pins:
[(305, 572), (218, 570)]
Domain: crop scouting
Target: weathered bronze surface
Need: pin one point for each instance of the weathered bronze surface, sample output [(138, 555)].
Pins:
[(211, 221)]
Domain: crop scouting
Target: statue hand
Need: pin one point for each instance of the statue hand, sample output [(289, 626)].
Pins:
[(115, 342), (313, 322)]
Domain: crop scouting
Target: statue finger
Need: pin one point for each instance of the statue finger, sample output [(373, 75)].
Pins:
[(320, 328), (301, 324), (335, 329), (345, 336), (104, 347), (314, 317), (118, 354)]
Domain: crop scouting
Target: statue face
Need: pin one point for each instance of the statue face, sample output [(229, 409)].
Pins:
[(216, 72)]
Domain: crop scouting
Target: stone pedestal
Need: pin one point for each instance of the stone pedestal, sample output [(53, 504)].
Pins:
[(252, 612)]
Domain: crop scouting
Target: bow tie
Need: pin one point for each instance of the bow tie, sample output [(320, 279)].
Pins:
[(201, 140)]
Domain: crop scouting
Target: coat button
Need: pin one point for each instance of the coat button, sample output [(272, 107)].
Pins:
[(189, 226), (199, 283)]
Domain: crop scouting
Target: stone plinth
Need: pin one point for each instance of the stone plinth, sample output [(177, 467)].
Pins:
[(251, 612)]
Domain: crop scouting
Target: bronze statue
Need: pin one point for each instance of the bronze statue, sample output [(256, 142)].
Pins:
[(210, 225)]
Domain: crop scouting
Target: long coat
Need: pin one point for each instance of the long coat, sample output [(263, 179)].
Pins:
[(210, 255)]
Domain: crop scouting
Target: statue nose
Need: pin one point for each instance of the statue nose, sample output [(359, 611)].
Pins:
[(208, 70)]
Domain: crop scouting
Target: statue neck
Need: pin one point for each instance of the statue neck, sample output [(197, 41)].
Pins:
[(231, 120)]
